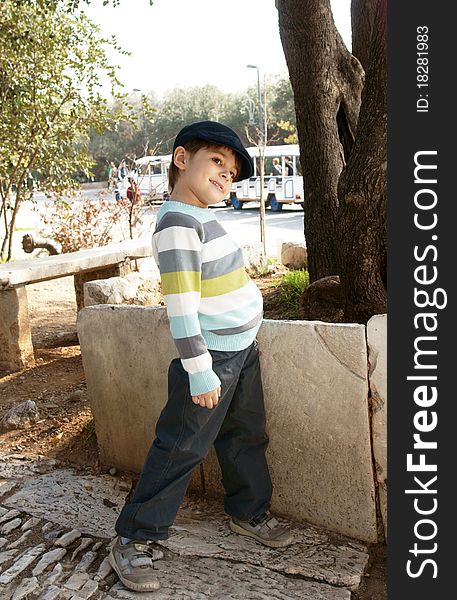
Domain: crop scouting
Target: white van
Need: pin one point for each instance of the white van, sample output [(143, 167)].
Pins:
[(152, 177), (278, 189)]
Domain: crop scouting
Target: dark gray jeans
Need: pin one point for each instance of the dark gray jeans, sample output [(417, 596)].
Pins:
[(184, 435)]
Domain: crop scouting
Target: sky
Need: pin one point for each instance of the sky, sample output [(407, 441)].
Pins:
[(180, 43)]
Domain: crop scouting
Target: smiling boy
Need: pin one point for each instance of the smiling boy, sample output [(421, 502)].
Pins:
[(214, 387)]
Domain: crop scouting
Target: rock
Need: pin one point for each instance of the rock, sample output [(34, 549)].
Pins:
[(294, 256), (68, 538), (32, 522), (76, 396), (20, 540), (26, 587), (254, 258), (51, 536), (20, 416), (322, 300), (10, 526), (60, 339), (88, 590), (55, 575), (104, 570), (53, 556), (21, 563), (85, 562), (6, 487), (7, 555), (50, 593), (84, 543), (76, 581), (112, 471), (8, 515), (134, 288)]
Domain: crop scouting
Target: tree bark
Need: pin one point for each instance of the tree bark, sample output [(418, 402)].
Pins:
[(362, 18), (362, 226), (327, 82)]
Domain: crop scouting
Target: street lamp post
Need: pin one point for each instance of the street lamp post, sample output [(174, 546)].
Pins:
[(261, 159), (259, 105), (145, 131)]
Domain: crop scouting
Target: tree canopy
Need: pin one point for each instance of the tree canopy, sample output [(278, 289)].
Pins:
[(156, 122), (53, 66)]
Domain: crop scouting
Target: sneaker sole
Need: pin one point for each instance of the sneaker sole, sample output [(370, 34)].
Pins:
[(271, 543), (136, 587)]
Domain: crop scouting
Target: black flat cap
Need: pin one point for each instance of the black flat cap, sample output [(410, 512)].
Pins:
[(221, 135)]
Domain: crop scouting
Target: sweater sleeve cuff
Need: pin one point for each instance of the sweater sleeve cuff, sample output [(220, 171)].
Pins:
[(203, 382)]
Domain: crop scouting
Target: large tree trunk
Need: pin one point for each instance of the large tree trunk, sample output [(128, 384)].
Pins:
[(362, 18), (362, 227), (327, 82)]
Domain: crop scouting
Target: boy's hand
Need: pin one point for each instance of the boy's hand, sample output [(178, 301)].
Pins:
[(208, 400)]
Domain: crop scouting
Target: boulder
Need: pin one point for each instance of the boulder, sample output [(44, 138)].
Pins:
[(20, 416), (254, 258), (135, 288), (293, 255), (322, 300)]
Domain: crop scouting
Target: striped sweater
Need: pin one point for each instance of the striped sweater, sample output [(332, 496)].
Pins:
[(211, 301)]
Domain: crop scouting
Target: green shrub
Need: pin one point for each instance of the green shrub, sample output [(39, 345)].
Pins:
[(290, 287)]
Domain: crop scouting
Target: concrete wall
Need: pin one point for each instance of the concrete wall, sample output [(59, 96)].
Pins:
[(316, 393)]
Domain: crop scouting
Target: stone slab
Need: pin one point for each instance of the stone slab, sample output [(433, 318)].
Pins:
[(318, 561), (377, 358), (316, 392), (320, 447), (315, 554), (16, 467), (316, 395), (212, 579), (126, 351), (73, 502)]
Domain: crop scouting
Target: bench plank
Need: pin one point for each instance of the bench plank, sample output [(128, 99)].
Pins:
[(24, 272)]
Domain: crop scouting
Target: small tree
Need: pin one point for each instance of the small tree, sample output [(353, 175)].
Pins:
[(52, 68)]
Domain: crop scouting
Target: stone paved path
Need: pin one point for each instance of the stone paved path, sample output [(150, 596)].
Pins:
[(56, 526)]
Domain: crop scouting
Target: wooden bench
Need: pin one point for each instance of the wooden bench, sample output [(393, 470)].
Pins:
[(16, 350)]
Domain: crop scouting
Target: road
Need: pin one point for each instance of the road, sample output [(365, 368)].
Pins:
[(243, 226)]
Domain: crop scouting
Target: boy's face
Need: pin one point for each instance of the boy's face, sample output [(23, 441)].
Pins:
[(206, 176)]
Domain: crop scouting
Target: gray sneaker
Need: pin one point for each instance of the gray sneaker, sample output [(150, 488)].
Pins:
[(134, 564), (265, 529)]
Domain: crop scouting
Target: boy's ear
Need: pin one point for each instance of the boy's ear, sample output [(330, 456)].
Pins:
[(180, 157)]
